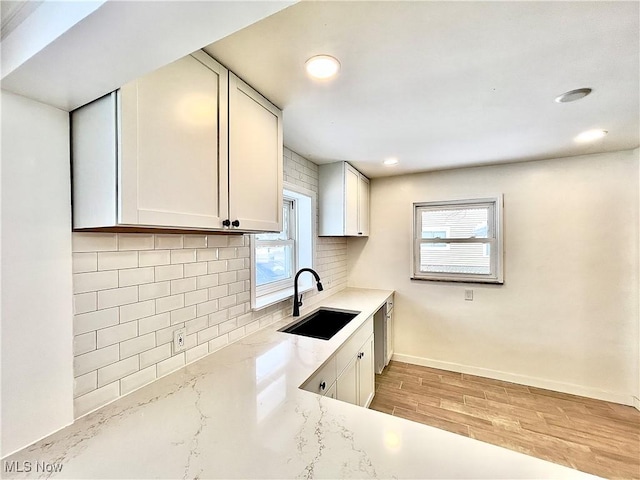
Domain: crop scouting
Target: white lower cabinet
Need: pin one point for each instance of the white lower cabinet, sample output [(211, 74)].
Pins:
[(349, 374)]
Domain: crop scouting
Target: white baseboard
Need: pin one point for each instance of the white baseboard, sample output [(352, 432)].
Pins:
[(570, 388)]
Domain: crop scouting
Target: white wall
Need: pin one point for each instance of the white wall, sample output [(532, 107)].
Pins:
[(567, 315), (37, 358)]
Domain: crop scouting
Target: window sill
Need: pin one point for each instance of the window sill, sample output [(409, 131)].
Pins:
[(460, 280), (266, 300)]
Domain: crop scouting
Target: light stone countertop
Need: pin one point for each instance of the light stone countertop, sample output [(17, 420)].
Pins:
[(238, 413)]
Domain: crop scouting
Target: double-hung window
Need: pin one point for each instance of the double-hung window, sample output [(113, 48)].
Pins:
[(458, 240), (276, 257)]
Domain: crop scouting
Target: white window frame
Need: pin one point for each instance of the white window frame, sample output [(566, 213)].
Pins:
[(305, 234), (494, 240), (292, 240)]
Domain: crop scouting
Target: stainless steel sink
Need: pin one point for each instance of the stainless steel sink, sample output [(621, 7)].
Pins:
[(323, 323)]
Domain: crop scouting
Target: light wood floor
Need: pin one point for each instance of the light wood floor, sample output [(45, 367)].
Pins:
[(593, 436)]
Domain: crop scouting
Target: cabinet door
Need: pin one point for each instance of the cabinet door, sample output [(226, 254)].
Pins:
[(255, 159), (366, 374), (351, 181), (331, 392), (363, 206), (347, 383), (173, 156), (390, 337)]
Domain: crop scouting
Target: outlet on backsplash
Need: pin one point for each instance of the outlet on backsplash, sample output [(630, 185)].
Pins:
[(179, 343)]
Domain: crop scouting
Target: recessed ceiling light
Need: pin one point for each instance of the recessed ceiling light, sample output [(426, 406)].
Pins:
[(322, 66), (590, 135), (573, 95), (390, 162)]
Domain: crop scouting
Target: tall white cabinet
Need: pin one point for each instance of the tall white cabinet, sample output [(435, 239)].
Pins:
[(188, 146), (343, 201)]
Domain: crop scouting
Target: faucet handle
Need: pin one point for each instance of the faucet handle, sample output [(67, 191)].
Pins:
[(300, 301)]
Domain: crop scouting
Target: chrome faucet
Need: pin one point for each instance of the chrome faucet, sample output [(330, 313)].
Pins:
[(297, 303)]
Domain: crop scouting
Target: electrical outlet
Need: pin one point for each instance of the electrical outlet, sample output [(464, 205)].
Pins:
[(468, 295), (179, 340)]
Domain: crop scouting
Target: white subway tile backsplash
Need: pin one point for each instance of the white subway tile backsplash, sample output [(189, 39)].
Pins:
[(154, 290), (217, 240), (195, 241), (117, 260), (137, 345), (85, 383), (217, 266), (94, 242), (182, 315), (135, 276), (169, 272), (154, 258), (132, 291), (153, 323), (206, 254), (137, 380), (84, 343), (207, 334), (92, 321), (171, 364), (195, 269), (119, 333), (206, 281), (166, 304), (226, 253), (135, 241), (236, 241), (117, 370), (218, 342), (183, 256), (94, 281), (169, 242), (96, 359), (206, 307), (183, 285), (193, 298), (155, 355), (85, 302), (95, 399), (136, 311), (85, 262), (197, 324), (117, 297)]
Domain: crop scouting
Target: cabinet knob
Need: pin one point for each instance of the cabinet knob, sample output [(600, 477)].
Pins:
[(236, 223), (226, 223), (323, 385), (361, 355)]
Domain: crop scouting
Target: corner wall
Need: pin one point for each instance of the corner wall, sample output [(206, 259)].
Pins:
[(37, 357), (566, 317)]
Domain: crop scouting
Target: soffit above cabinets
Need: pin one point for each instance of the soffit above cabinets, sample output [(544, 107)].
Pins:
[(445, 84)]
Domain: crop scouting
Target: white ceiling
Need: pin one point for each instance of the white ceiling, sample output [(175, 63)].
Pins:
[(446, 84)]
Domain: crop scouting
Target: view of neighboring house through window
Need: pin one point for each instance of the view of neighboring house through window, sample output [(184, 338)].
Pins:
[(275, 258), (458, 240)]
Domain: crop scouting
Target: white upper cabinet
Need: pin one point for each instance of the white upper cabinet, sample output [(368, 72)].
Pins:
[(255, 159), (344, 201), (156, 154)]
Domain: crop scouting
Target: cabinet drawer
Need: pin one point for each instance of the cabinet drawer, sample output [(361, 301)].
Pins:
[(353, 344), (321, 381)]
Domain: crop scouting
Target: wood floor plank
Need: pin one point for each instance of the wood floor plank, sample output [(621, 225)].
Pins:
[(593, 436)]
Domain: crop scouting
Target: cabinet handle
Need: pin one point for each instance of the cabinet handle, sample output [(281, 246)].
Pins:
[(236, 223), (226, 223), (323, 385), (359, 233), (361, 355)]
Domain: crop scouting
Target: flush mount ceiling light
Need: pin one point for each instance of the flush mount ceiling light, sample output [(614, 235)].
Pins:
[(573, 95), (590, 135), (322, 66), (390, 162)]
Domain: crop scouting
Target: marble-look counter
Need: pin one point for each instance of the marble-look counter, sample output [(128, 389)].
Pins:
[(238, 413)]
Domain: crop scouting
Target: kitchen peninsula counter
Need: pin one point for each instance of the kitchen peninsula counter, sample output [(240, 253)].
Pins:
[(239, 413)]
